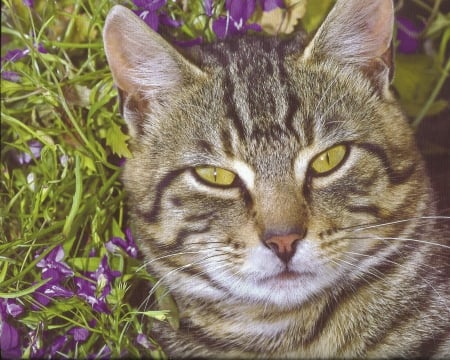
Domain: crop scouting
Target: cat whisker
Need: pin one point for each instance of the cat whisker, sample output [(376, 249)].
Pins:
[(150, 261), (402, 221), (399, 239), (406, 268)]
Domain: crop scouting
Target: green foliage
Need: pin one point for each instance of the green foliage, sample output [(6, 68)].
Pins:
[(70, 193)]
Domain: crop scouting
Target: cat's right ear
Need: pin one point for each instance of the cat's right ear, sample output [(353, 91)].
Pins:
[(359, 33), (148, 71)]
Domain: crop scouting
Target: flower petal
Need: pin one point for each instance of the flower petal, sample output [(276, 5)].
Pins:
[(13, 309), (79, 333), (13, 77), (9, 341)]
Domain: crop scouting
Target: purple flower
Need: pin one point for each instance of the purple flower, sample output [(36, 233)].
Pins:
[(54, 269), (15, 55), (35, 342), (208, 6), (150, 18), (35, 148), (143, 340), (53, 261), (58, 344), (9, 341), (28, 3), (9, 336), (121, 162), (151, 5), (236, 20), (11, 76), (8, 306), (150, 12), (104, 353), (79, 334), (48, 291), (268, 5), (97, 285), (408, 35), (128, 245)]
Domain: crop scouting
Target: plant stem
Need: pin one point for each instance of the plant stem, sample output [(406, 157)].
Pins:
[(76, 198), (432, 97)]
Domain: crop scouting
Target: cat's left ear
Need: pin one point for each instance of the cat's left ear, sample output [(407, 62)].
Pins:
[(358, 32), (150, 74)]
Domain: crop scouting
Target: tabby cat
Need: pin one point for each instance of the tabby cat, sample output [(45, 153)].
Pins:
[(277, 192)]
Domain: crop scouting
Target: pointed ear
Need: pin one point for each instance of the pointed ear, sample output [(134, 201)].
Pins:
[(147, 70), (357, 32)]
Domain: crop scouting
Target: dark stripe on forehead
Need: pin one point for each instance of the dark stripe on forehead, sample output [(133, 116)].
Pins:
[(152, 215), (231, 109), (293, 106), (395, 177), (227, 145), (205, 146)]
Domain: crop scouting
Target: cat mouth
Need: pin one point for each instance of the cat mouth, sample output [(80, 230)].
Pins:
[(284, 276)]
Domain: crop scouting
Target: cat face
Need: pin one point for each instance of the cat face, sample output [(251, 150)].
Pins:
[(263, 173)]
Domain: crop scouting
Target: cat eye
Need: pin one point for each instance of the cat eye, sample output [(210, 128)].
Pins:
[(329, 160), (215, 175)]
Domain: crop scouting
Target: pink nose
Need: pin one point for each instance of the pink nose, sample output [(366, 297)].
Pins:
[(284, 245)]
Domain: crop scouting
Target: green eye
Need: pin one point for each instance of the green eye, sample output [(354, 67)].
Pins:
[(215, 175), (329, 159)]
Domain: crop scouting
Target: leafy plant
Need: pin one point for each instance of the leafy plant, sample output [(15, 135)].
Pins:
[(67, 255)]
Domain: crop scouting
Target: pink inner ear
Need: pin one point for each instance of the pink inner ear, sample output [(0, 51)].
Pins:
[(381, 24), (354, 32)]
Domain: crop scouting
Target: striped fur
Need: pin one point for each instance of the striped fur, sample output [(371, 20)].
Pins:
[(369, 279)]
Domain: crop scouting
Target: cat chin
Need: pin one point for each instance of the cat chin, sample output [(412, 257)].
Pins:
[(281, 292), (266, 279)]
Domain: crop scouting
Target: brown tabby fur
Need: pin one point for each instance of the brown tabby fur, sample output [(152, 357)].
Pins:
[(370, 273)]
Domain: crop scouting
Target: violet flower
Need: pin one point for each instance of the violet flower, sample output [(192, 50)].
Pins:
[(53, 260), (9, 336), (408, 35), (11, 76), (268, 5), (29, 3), (35, 342), (236, 20), (79, 334), (97, 286), (128, 245), (208, 6), (143, 340), (56, 270), (35, 148), (150, 12), (58, 344), (15, 55)]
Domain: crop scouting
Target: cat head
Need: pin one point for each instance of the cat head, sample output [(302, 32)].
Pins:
[(263, 168)]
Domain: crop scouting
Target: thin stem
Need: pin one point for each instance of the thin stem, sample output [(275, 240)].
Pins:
[(432, 97)]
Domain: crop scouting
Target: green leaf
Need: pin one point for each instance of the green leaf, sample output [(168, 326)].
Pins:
[(415, 78), (84, 263), (315, 14), (441, 22), (160, 315), (117, 140)]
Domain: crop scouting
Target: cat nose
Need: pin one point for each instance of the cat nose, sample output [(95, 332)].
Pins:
[(284, 246)]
